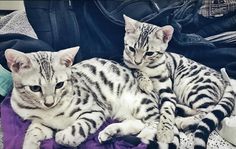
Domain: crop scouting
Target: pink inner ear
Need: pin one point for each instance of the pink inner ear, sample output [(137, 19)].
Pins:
[(67, 59), (168, 32), (16, 60), (129, 28), (68, 63)]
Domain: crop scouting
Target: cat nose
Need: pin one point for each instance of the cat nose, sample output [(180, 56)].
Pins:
[(48, 104), (49, 101), (137, 63)]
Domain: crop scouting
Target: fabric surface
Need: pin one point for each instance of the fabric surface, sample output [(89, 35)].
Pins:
[(16, 22), (217, 8), (5, 81)]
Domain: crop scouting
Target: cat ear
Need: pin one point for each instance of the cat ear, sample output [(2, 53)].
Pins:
[(130, 24), (167, 33), (17, 60), (67, 56)]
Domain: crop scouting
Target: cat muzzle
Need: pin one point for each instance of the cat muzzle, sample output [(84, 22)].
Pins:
[(49, 101)]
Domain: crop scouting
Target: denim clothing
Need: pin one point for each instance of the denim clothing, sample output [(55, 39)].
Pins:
[(217, 26), (101, 27)]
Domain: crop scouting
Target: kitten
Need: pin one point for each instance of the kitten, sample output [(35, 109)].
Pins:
[(74, 100), (177, 80)]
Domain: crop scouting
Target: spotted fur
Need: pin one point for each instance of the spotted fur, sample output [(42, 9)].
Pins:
[(76, 100), (177, 80)]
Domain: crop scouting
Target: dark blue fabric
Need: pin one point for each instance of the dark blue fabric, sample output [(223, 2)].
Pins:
[(21, 43), (99, 27)]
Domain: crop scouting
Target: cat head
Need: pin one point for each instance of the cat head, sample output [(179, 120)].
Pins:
[(144, 43), (41, 79)]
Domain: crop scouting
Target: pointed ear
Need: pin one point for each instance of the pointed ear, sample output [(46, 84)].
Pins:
[(67, 56), (17, 60), (167, 33), (130, 24)]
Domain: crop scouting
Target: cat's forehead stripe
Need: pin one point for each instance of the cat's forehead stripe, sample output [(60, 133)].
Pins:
[(143, 37), (45, 62)]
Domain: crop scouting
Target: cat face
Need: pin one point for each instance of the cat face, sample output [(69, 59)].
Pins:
[(144, 43), (42, 79)]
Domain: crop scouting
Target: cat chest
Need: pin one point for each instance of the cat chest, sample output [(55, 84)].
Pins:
[(60, 122)]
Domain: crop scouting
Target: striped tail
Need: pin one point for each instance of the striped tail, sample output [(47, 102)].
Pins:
[(209, 123)]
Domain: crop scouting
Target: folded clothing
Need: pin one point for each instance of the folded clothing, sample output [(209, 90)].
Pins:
[(231, 69), (5, 81)]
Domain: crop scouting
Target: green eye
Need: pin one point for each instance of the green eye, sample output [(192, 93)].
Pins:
[(131, 49), (149, 53), (35, 88), (59, 85)]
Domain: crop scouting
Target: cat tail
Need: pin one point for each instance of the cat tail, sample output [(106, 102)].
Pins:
[(209, 123)]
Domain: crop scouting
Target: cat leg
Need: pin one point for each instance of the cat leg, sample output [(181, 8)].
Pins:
[(127, 127), (183, 110), (145, 84), (35, 134), (186, 123), (86, 124), (168, 100), (148, 132)]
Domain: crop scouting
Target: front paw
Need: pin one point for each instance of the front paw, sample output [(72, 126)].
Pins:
[(31, 145), (103, 136), (145, 84), (107, 133), (165, 133), (64, 137)]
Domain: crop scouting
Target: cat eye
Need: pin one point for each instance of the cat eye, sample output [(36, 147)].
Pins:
[(59, 85), (149, 53), (131, 49), (35, 88)]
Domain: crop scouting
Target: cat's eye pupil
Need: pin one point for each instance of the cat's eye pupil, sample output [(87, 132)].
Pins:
[(35, 88), (149, 53), (131, 49), (59, 85)]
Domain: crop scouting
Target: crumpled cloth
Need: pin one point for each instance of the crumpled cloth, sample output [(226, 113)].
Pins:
[(17, 22)]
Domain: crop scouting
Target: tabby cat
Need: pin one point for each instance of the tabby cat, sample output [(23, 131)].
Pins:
[(76, 99), (177, 80)]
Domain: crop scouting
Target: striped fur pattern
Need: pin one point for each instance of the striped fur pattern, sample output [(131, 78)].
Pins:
[(76, 100), (178, 81)]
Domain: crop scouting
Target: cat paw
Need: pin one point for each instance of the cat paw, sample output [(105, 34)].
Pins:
[(145, 84), (147, 135), (64, 137), (107, 133), (165, 134), (31, 145), (103, 136)]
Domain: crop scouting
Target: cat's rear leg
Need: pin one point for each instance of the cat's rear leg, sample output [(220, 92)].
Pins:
[(127, 127), (35, 134)]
